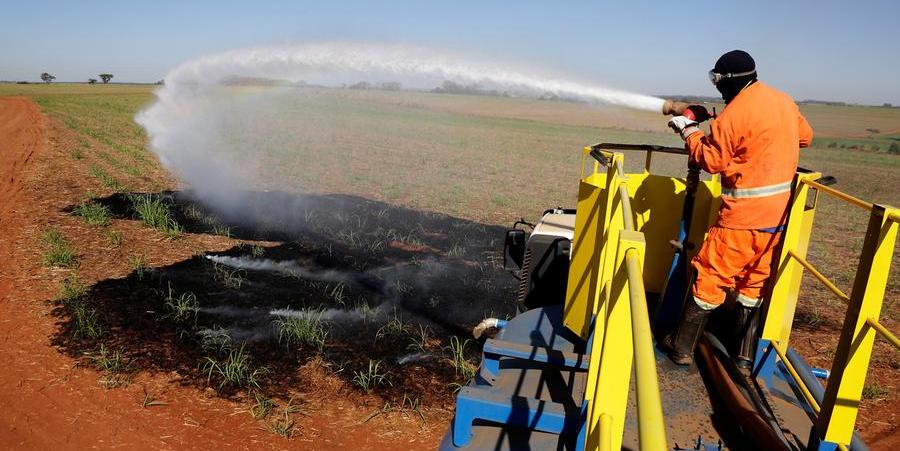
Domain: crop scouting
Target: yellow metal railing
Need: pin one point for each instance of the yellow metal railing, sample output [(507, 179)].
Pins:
[(807, 395), (617, 302), (836, 414), (610, 291), (651, 427), (818, 275)]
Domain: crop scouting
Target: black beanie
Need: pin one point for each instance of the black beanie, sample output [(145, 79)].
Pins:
[(734, 62)]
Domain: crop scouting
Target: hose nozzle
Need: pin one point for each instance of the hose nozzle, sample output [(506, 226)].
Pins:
[(673, 108)]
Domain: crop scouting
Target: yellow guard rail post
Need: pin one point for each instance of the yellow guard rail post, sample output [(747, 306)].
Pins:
[(787, 271), (837, 411), (621, 321), (851, 360)]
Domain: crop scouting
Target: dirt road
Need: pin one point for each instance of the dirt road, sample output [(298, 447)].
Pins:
[(45, 400)]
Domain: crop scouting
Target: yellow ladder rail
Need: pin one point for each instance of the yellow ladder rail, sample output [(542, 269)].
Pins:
[(818, 275), (885, 333), (891, 338), (836, 415)]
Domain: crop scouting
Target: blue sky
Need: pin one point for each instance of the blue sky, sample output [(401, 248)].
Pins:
[(833, 50)]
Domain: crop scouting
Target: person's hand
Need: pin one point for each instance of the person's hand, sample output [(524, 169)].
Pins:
[(698, 112), (683, 126)]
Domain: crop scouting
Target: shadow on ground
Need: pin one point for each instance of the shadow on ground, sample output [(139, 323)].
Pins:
[(388, 284)]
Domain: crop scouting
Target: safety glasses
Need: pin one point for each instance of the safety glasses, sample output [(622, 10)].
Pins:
[(716, 77)]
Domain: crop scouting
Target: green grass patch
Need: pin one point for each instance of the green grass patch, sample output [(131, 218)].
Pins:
[(181, 307), (139, 266), (215, 339), (230, 277), (156, 213), (371, 377), (92, 213), (105, 179), (86, 323), (873, 143), (419, 340), (105, 115), (284, 423), (262, 407), (394, 327), (234, 371), (118, 165), (113, 237), (299, 331), (457, 350), (59, 252), (112, 365), (71, 290)]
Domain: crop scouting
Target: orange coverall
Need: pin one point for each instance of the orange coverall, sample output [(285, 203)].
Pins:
[(754, 146)]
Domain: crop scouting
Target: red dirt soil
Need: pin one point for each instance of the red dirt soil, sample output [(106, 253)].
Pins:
[(51, 401)]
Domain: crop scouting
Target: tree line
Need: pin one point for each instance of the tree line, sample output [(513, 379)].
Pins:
[(48, 78)]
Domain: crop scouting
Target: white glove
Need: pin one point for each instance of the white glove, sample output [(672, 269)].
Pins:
[(684, 126)]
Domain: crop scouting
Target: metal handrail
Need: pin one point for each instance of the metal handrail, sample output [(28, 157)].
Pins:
[(885, 333), (651, 427), (890, 337), (796, 376), (818, 275), (627, 219), (839, 195)]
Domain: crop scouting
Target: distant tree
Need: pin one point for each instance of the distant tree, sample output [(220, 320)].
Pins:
[(47, 78), (92, 81), (391, 86), (106, 77), (887, 105), (450, 87), (361, 85), (160, 82), (894, 149)]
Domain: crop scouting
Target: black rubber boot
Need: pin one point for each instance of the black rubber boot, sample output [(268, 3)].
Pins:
[(681, 345), (747, 326)]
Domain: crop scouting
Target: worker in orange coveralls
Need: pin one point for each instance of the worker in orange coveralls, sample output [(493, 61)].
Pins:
[(754, 146)]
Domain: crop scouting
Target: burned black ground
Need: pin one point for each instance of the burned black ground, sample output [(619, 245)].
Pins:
[(365, 264)]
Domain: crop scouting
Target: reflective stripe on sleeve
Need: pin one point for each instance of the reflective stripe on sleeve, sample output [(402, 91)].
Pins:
[(761, 191)]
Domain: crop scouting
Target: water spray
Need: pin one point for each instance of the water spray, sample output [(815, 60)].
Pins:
[(181, 122)]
